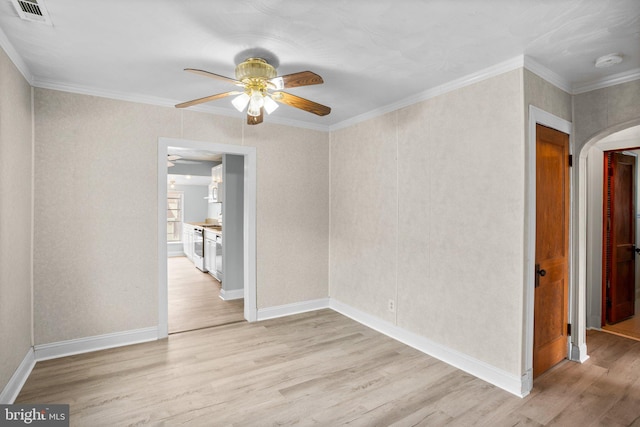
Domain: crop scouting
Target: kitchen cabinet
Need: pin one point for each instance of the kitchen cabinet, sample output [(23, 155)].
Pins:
[(209, 254), (216, 188), (213, 252), (187, 240)]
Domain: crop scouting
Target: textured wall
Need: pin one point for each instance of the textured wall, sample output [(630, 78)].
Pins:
[(16, 155), (364, 215), (293, 213), (96, 250), (603, 111), (96, 169), (547, 97), (441, 184)]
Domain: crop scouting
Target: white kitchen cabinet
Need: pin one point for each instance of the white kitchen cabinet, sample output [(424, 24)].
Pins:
[(216, 188), (187, 240), (209, 247), (210, 250)]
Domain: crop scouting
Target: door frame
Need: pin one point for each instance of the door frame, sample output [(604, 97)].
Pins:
[(539, 116), (250, 196), (590, 219)]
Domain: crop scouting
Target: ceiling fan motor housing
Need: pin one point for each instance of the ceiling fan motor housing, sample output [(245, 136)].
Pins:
[(255, 68)]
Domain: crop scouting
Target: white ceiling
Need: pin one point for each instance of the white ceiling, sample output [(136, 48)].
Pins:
[(371, 54)]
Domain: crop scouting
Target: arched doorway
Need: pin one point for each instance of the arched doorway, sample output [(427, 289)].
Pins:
[(590, 236)]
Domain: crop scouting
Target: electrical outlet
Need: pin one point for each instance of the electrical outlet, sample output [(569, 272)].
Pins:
[(392, 306)]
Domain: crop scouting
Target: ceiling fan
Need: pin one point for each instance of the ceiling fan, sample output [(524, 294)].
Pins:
[(262, 90), (172, 158)]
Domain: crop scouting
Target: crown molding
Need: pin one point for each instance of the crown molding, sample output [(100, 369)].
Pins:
[(15, 57), (548, 75), (521, 61), (163, 102), (495, 70), (616, 79)]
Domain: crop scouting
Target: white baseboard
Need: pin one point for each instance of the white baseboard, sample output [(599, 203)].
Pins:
[(231, 294), (289, 309), (579, 353), (175, 254), (505, 380), (17, 380), (95, 343)]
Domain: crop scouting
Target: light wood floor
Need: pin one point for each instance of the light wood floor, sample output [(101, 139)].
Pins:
[(194, 299), (324, 369), (628, 328)]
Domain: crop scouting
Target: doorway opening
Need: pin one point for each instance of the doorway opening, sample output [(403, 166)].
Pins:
[(612, 281), (620, 285), (241, 224)]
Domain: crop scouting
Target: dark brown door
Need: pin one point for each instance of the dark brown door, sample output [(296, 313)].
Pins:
[(552, 249), (620, 254)]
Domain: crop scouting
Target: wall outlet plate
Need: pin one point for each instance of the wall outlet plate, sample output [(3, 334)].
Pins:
[(392, 306)]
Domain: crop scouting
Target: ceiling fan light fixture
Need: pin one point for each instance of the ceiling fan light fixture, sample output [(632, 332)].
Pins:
[(255, 103), (240, 102), (270, 105)]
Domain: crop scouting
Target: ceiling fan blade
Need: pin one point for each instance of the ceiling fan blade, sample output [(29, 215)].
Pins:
[(207, 99), (169, 164), (255, 120), (301, 103), (172, 157), (214, 76), (304, 78)]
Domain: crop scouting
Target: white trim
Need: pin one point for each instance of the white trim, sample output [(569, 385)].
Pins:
[(616, 79), (546, 74), (579, 353), (231, 294), (617, 144), (15, 57), (495, 70), (175, 254), (505, 380), (291, 309), (250, 200), (163, 292), (95, 343), (17, 380), (538, 116)]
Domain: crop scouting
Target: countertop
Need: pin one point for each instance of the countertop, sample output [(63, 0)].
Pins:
[(215, 229)]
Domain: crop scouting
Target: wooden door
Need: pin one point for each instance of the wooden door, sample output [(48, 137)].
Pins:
[(620, 239), (552, 249)]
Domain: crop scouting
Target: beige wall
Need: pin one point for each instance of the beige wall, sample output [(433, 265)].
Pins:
[(427, 208), (96, 210), (16, 155), (542, 94), (293, 213), (604, 111)]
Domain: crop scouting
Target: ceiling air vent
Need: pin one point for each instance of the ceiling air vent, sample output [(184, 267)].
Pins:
[(32, 10)]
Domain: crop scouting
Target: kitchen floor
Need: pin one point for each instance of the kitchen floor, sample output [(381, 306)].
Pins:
[(194, 301)]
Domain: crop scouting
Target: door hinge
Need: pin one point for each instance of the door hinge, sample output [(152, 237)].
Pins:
[(569, 329), (570, 160)]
